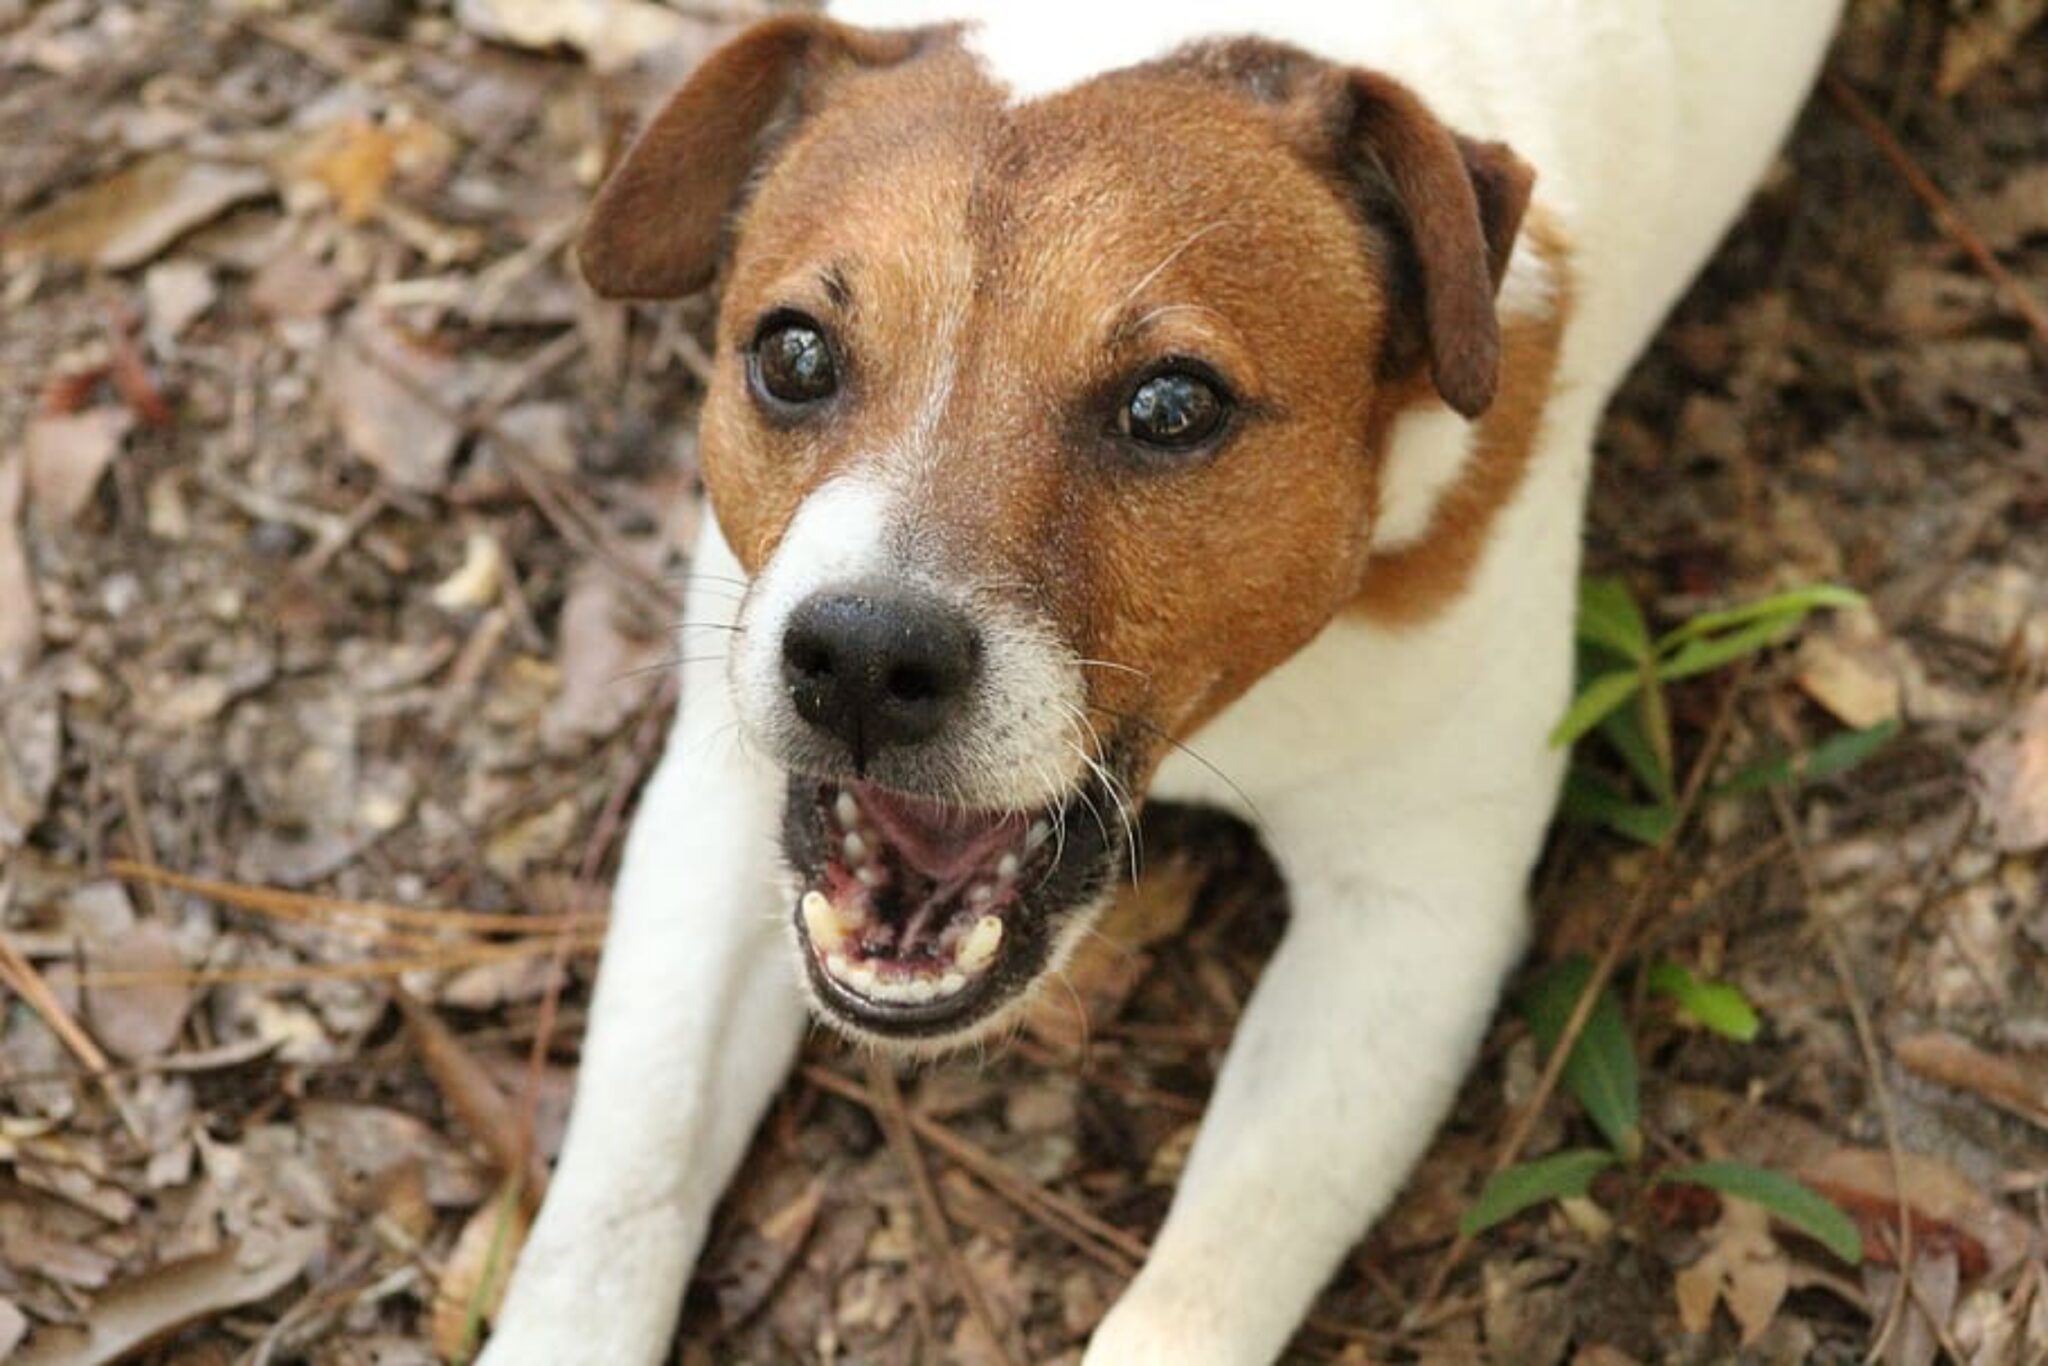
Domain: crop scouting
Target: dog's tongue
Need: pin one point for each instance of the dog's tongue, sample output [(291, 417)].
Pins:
[(944, 843)]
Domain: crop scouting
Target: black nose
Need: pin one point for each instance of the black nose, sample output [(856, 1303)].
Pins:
[(878, 668)]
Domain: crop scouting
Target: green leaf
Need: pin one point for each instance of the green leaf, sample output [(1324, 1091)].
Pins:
[(1784, 1197), (1601, 1070), (1590, 799), (1594, 702), (1707, 653), (1609, 617), (1625, 730), (1795, 604), (1557, 1177), (1830, 758), (1714, 1005)]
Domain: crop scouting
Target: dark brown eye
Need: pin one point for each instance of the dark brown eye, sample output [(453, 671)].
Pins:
[(1174, 410), (792, 363)]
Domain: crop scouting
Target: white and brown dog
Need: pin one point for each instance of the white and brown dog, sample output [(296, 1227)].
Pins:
[(1095, 381)]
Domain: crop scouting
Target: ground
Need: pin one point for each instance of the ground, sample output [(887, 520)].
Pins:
[(338, 532)]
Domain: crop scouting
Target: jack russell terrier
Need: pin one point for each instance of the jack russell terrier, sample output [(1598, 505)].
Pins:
[(1099, 386)]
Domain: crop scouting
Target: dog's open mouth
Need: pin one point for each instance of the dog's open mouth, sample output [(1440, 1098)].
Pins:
[(919, 918)]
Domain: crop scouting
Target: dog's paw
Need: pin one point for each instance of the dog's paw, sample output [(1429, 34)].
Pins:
[(1140, 1334)]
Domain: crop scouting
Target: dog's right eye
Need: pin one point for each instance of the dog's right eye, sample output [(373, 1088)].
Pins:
[(791, 364)]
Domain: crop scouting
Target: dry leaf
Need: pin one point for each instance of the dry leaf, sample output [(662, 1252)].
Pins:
[(143, 1020), (611, 33), (607, 673), (157, 1303), (1949, 1212), (1984, 39), (132, 215), (2016, 1085), (177, 293), (31, 752), (356, 160), (1108, 966), (2011, 773), (392, 398), (473, 1278), (67, 454), (13, 1328), (1743, 1267), (1846, 667)]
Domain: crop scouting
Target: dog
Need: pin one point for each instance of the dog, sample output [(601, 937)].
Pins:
[(1119, 403)]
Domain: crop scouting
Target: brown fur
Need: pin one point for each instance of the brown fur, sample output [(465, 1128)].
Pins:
[(1410, 585), (1310, 233)]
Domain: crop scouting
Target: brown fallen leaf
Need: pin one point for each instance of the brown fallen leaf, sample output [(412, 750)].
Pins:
[(1948, 1212), (1845, 666), (21, 632), (13, 1328), (607, 672), (141, 1020), (1743, 1268), (356, 160), (31, 749), (1108, 966), (135, 213), (67, 455), (157, 1303), (2010, 769), (474, 1276), (391, 398), (2015, 1086)]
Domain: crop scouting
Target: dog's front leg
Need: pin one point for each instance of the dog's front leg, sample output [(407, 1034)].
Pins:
[(692, 1026), (1347, 1057)]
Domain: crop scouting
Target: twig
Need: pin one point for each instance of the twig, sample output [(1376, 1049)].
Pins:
[(1618, 944), (1873, 1063), (638, 755), (467, 956), (304, 906), (1946, 216), (23, 979), (1117, 1250), (895, 1119), (475, 1099)]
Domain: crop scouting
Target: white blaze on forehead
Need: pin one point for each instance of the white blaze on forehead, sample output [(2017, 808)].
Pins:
[(1017, 743)]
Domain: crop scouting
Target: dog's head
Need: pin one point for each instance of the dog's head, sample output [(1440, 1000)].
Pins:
[(1044, 429)]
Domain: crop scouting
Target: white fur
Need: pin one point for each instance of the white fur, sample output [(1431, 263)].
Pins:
[(1401, 778), (865, 528)]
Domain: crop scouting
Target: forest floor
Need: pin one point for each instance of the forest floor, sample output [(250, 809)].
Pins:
[(339, 534)]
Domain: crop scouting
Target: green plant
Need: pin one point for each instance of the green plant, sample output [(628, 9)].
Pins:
[(1601, 1072), (1621, 706)]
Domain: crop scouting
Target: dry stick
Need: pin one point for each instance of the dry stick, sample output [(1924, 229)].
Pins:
[(1946, 216), (1610, 958), (1116, 1249), (1873, 1063), (895, 1118), (304, 906), (474, 1098), (468, 956), (601, 837), (22, 977)]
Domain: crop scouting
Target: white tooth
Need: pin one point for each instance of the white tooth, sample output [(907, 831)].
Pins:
[(1039, 833), (869, 875), (979, 948), (847, 809), (949, 985), (980, 894), (856, 848), (1006, 868), (822, 923), (862, 978)]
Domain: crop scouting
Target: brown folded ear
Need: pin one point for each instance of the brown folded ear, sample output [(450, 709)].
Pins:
[(657, 227), (1460, 203)]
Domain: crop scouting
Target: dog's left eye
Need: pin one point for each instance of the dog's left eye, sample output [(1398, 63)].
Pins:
[(792, 363), (1174, 410)]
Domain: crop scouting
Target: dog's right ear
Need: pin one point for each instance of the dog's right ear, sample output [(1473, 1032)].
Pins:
[(658, 224)]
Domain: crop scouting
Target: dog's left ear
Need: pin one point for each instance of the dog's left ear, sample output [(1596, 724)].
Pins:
[(657, 227), (1459, 203)]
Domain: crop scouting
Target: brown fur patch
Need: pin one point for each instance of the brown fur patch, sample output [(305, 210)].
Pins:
[(1410, 585)]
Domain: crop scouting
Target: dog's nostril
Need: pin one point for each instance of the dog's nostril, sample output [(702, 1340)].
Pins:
[(808, 656), (910, 683)]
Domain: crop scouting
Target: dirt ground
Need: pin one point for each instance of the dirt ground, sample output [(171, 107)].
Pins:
[(339, 532)]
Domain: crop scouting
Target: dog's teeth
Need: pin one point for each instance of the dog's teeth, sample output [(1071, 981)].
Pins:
[(1040, 832), (978, 950), (949, 985), (856, 848), (1006, 868), (822, 922), (980, 894), (869, 875), (847, 809)]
